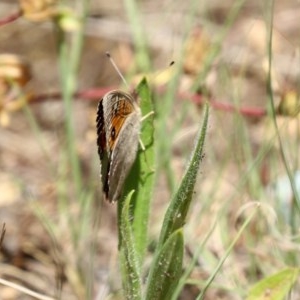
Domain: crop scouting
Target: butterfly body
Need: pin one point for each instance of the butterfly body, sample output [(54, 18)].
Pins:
[(118, 129)]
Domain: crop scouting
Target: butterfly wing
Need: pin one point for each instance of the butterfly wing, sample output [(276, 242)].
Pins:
[(118, 126), (123, 155)]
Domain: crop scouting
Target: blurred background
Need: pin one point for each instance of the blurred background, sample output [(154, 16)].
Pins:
[(222, 56)]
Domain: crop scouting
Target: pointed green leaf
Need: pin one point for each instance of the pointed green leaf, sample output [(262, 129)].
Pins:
[(176, 214), (275, 287), (141, 176), (130, 269), (167, 269)]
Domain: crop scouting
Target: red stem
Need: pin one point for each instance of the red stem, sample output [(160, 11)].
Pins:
[(91, 94), (11, 18), (95, 93), (246, 111), (98, 93)]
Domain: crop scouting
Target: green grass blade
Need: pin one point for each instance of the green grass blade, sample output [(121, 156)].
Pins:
[(176, 214), (141, 176), (165, 104), (139, 36), (275, 287), (130, 269), (295, 208), (69, 50), (191, 266), (228, 251), (208, 63), (167, 269)]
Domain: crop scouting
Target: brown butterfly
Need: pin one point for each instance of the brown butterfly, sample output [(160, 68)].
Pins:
[(118, 127)]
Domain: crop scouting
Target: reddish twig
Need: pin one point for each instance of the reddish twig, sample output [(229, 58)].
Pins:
[(91, 94), (98, 93), (246, 111), (11, 18)]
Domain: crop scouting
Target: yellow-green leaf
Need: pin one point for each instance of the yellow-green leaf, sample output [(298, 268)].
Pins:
[(275, 287)]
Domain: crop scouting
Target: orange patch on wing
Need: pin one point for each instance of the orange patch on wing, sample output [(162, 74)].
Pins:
[(124, 108)]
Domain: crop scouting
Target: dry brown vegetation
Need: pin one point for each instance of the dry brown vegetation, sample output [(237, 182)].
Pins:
[(243, 160)]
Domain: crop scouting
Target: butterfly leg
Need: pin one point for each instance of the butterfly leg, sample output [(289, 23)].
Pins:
[(145, 156), (143, 119), (142, 145), (147, 115)]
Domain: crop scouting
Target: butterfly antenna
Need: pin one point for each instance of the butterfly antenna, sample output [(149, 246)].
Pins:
[(117, 69)]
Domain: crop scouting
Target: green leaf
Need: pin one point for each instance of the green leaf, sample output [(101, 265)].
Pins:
[(141, 176), (131, 278), (176, 214), (168, 257), (167, 269), (275, 287)]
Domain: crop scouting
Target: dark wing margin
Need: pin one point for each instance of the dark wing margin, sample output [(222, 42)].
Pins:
[(100, 124), (102, 151)]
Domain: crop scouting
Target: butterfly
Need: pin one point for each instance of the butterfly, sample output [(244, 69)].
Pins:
[(118, 128)]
